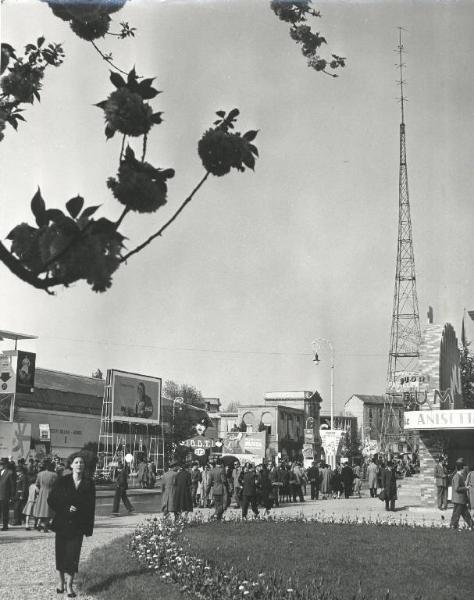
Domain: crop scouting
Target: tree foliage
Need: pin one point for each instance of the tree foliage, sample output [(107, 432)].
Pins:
[(467, 376), (66, 246)]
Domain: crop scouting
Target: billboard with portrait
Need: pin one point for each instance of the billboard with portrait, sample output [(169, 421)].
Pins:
[(25, 372), (135, 398)]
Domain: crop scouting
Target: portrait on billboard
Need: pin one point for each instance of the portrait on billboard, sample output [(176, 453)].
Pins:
[(25, 372), (135, 398)]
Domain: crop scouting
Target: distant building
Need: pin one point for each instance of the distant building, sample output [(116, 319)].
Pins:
[(212, 405), (369, 412)]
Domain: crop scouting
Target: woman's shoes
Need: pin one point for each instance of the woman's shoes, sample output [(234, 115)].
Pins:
[(59, 591), (71, 595)]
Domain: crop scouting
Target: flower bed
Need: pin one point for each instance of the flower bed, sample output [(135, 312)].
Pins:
[(161, 546)]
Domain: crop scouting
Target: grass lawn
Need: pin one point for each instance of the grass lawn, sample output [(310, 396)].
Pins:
[(435, 564), (113, 573)]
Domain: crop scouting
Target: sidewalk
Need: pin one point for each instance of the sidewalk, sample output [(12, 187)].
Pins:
[(27, 568)]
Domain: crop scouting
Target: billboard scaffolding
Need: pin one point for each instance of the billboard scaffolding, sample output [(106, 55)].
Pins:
[(130, 426)]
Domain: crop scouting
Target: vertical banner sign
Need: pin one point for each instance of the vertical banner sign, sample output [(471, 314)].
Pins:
[(7, 375), (25, 373)]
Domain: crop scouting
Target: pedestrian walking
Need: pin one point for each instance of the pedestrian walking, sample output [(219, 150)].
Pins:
[(21, 494), (265, 485), (389, 484), (470, 488), (460, 498), (236, 485), (29, 509), (357, 483), (277, 483), (296, 482), (249, 491), (73, 501), (184, 500), (196, 479), (44, 482), (313, 477), (121, 487), (347, 477), (372, 475), (325, 480), (6, 492), (218, 484), (168, 491), (205, 498), (441, 480)]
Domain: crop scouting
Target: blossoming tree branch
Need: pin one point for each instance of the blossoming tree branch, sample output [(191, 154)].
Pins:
[(65, 246)]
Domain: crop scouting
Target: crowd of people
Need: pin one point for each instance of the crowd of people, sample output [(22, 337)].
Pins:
[(265, 485)]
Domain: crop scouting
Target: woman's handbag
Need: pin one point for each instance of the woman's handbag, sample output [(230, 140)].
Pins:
[(382, 495)]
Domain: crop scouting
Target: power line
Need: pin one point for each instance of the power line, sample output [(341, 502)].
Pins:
[(201, 350)]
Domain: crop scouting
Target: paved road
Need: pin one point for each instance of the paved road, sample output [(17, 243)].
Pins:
[(27, 557)]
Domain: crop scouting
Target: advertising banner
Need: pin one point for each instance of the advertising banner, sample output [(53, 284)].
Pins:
[(6, 407), (330, 440), (242, 443), (7, 376), (439, 419), (15, 439), (25, 372), (135, 398), (308, 451), (309, 436)]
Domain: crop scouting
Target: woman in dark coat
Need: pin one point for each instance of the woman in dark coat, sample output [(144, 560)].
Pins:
[(183, 499), (73, 501)]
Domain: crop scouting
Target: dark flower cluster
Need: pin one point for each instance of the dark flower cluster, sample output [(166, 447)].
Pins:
[(125, 110), (22, 79), (23, 82), (69, 247), (88, 19), (221, 150), (296, 13), (140, 186)]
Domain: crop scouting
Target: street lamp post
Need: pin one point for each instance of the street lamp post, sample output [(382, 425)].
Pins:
[(180, 401), (316, 344)]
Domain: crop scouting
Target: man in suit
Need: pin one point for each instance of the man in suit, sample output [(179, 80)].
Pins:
[(121, 487), (218, 482), (441, 479), (389, 484), (460, 500), (313, 476), (249, 490), (7, 489)]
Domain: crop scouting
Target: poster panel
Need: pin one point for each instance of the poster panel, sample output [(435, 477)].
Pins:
[(6, 407), (25, 372), (7, 375), (15, 439), (242, 442), (135, 398)]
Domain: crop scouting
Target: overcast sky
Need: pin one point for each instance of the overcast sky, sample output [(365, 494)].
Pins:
[(259, 264)]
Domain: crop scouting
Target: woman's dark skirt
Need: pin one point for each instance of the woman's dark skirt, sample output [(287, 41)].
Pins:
[(68, 552)]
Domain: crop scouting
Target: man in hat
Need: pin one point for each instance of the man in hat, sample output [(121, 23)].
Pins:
[(121, 487), (7, 489), (459, 498), (218, 483)]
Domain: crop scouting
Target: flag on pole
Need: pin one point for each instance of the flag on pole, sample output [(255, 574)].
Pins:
[(471, 314)]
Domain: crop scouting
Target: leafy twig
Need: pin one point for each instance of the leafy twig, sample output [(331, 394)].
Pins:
[(107, 59)]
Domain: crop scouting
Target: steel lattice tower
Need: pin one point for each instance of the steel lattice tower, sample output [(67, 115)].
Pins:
[(405, 335)]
